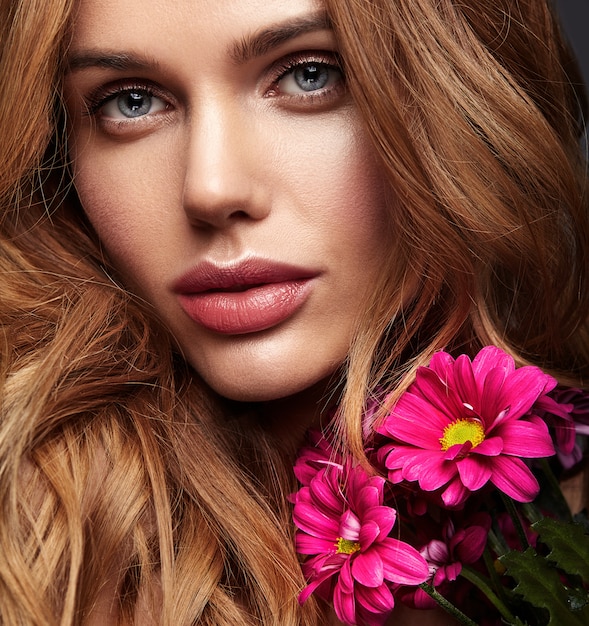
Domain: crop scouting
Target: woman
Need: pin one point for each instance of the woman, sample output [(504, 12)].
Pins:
[(210, 239)]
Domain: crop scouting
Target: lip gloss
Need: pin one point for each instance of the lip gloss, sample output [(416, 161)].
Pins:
[(252, 310)]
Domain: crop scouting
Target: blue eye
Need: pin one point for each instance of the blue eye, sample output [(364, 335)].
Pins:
[(132, 103), (311, 77), (308, 77)]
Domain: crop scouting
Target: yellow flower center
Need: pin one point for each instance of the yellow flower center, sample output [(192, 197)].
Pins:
[(345, 546), (461, 431)]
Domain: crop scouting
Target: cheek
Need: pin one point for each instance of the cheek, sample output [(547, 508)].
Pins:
[(118, 194), (338, 174), (113, 227), (361, 214)]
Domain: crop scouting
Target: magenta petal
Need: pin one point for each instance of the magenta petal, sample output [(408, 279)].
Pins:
[(474, 472), (402, 563), (395, 476), (493, 446), (312, 587), (490, 357), (513, 477), (465, 382), (457, 450), (308, 591), (433, 473), (436, 551), (416, 421), (526, 439), (383, 516), (369, 533), (304, 473), (344, 605), (346, 580), (367, 497), (565, 436), (314, 523), (455, 494), (323, 566), (436, 393), (471, 548), (523, 387), (493, 401), (309, 462), (349, 526), (376, 600), (442, 363), (404, 456), (318, 571), (323, 494), (306, 544), (316, 565), (422, 601), (368, 569), (452, 571)]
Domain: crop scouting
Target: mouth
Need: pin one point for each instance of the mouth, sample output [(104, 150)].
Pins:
[(247, 297)]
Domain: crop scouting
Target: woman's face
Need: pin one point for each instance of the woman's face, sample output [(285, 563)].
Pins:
[(223, 165)]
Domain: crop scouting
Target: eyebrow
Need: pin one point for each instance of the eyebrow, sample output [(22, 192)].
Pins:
[(264, 41), (256, 45), (107, 60)]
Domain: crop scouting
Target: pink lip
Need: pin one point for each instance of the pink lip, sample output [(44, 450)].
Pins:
[(247, 297)]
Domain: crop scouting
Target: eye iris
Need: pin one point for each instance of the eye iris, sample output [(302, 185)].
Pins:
[(134, 104), (311, 77)]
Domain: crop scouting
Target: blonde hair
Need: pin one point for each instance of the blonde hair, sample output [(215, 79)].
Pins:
[(116, 466)]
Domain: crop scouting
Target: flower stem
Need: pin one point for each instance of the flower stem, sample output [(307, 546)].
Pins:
[(517, 523), (531, 513), (497, 543), (478, 581), (446, 605), (493, 575)]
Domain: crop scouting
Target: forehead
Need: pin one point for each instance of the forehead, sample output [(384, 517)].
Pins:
[(145, 25)]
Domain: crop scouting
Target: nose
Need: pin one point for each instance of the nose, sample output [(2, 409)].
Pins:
[(222, 180)]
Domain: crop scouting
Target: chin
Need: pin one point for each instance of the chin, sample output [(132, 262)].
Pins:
[(255, 391), (301, 390)]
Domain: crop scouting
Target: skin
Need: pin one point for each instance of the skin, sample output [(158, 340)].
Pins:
[(233, 160)]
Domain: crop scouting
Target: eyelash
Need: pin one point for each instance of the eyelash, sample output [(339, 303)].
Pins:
[(97, 99)]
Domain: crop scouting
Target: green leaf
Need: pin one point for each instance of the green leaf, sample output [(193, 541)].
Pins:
[(568, 543), (538, 582)]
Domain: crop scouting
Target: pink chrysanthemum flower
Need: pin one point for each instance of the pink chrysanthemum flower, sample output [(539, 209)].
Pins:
[(352, 560), (462, 424)]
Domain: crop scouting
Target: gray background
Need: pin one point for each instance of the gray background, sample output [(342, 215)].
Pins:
[(575, 19)]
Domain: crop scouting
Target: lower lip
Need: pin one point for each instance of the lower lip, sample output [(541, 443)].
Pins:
[(250, 311)]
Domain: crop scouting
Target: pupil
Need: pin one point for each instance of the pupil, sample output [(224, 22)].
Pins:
[(311, 77), (311, 73), (134, 104), (134, 101)]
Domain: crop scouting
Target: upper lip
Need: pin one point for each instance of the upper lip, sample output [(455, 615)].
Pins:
[(251, 272)]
